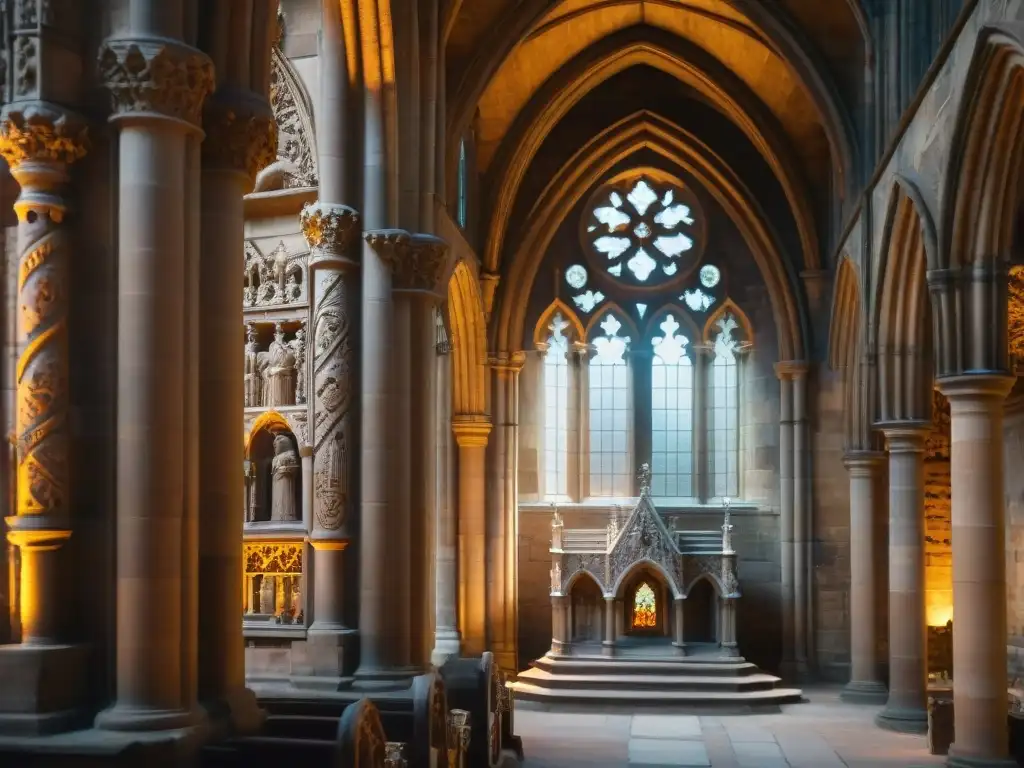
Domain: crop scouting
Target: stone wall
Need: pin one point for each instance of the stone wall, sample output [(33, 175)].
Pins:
[(1013, 453), (938, 521)]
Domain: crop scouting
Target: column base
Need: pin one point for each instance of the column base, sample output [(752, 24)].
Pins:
[(864, 692), (44, 688), (730, 650), (607, 649), (328, 652), (903, 720), (559, 648), (237, 712), (393, 679), (447, 646), (679, 648), (963, 761)]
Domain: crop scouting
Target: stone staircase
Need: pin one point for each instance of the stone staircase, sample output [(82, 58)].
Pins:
[(699, 542), (699, 683)]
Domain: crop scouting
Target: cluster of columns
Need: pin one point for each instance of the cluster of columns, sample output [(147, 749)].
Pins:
[(979, 572)]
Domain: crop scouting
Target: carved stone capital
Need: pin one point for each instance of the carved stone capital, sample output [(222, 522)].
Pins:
[(791, 369), (156, 77), (41, 133), (330, 230), (471, 432), (241, 135), (419, 263)]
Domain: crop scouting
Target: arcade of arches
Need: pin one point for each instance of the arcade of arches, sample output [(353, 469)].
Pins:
[(495, 255)]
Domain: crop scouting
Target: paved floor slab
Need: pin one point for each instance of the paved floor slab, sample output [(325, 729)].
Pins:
[(665, 727), (668, 752)]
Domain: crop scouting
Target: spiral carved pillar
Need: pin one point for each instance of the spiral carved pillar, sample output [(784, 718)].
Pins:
[(332, 234), (241, 139), (158, 85), (39, 142)]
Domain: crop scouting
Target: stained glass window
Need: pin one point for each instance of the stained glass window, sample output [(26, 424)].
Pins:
[(556, 410), (611, 472), (724, 421), (643, 228), (645, 608), (671, 413), (462, 182), (588, 300)]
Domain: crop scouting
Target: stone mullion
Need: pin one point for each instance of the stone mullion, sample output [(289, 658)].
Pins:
[(158, 85), (241, 139), (703, 402)]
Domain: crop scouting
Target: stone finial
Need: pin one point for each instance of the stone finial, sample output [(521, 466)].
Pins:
[(644, 476), (330, 229), (419, 263), (40, 132), (157, 77), (239, 136)]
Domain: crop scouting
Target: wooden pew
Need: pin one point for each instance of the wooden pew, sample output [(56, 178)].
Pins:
[(478, 686)]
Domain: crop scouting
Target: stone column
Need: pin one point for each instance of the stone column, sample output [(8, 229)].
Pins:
[(471, 435), (420, 269), (678, 636), (497, 450), (559, 625), (158, 85), (241, 139), (802, 565), (788, 667), (906, 708), (306, 457), (979, 569), (864, 687), (608, 644), (39, 143), (727, 627), (332, 231), (446, 622)]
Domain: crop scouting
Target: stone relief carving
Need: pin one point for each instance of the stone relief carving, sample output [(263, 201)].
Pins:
[(298, 347), (273, 581), (280, 372), (696, 566), (556, 578), (156, 76), (262, 557), (644, 538), (285, 469), (36, 142), (277, 278), (593, 562), (332, 381), (296, 148), (240, 136), (274, 377)]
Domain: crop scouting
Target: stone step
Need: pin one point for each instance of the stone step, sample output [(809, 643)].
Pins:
[(731, 700), (602, 665), (677, 682)]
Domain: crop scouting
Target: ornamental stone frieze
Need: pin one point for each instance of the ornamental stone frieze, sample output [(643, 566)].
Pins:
[(419, 263), (157, 77), (332, 232), (241, 134)]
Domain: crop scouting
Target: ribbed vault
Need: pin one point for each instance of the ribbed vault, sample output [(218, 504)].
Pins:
[(847, 355)]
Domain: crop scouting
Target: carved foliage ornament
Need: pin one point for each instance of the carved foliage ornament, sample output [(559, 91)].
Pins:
[(1015, 310), (292, 113), (157, 77), (329, 228), (239, 137), (272, 558), (39, 133), (418, 262)]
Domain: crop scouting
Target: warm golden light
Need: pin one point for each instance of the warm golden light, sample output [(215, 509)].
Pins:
[(645, 611), (937, 615)]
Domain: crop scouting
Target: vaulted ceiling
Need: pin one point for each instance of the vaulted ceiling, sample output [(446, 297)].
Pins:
[(784, 72)]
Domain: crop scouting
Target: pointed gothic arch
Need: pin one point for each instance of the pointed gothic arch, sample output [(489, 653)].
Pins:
[(296, 163), (690, 329), (469, 343), (610, 307), (270, 421), (541, 330), (847, 337), (727, 307)]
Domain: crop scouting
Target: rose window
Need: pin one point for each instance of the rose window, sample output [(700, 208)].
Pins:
[(644, 233)]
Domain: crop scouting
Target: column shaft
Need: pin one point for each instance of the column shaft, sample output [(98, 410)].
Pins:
[(801, 526), (446, 632), (786, 524), (472, 536), (979, 570), (864, 686), (397, 605), (678, 636), (609, 626), (496, 550), (905, 709), (701, 488)]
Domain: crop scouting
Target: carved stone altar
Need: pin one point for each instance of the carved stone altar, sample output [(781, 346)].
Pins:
[(642, 592)]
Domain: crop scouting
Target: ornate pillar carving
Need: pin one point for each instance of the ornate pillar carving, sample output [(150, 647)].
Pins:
[(420, 267), (332, 232), (979, 569), (158, 85), (865, 686), (241, 139), (471, 434), (906, 708), (39, 142)]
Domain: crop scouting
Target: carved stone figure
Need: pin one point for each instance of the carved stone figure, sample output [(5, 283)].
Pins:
[(280, 376), (556, 578), (285, 469), (272, 279), (253, 377), (298, 347), (267, 592)]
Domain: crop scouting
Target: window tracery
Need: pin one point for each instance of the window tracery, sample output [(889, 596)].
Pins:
[(645, 607), (671, 413), (609, 399), (556, 409)]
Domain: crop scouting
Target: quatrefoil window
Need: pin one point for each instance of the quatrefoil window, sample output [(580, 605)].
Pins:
[(643, 232)]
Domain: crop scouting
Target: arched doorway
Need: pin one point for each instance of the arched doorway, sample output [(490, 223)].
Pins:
[(700, 614)]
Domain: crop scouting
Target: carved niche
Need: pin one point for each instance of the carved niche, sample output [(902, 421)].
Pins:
[(273, 279), (644, 538), (273, 581), (296, 148), (275, 364)]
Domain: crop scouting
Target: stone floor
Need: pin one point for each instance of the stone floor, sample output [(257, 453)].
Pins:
[(822, 733)]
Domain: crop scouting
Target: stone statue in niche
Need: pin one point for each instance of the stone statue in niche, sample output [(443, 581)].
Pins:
[(248, 475), (267, 592), (280, 372), (253, 379), (298, 347), (271, 279), (285, 469)]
